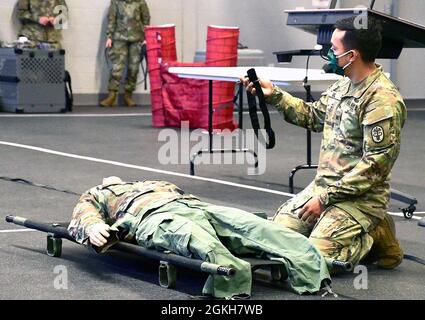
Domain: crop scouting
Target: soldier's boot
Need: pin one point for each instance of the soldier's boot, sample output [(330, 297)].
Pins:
[(128, 99), (386, 249), (111, 100)]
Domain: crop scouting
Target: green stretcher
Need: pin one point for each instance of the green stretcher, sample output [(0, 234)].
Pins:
[(168, 261)]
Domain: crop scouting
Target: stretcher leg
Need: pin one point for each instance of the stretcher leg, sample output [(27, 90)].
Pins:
[(54, 246), (167, 275)]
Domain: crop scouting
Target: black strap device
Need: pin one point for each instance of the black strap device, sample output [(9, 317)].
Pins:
[(252, 103)]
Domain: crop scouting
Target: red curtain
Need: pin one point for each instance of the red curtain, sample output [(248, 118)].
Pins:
[(175, 99)]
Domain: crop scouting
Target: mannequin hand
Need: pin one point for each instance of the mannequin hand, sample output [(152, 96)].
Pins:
[(99, 233)]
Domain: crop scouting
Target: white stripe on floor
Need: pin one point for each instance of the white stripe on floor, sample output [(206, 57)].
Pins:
[(16, 230), (131, 166), (400, 214), (172, 173)]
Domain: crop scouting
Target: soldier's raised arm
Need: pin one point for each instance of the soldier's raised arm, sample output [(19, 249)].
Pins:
[(89, 211), (382, 123), (298, 112), (294, 110), (24, 12), (146, 17)]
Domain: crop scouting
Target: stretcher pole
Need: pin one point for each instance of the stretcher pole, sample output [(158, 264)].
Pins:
[(168, 261)]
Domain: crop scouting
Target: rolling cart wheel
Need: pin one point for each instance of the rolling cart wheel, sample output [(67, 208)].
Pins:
[(54, 246), (408, 212)]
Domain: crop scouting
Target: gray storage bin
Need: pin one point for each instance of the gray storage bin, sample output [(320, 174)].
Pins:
[(32, 80)]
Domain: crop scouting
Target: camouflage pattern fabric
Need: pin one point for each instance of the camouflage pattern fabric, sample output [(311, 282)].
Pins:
[(337, 234), (127, 19), (361, 127), (111, 201), (158, 215), (126, 22), (121, 53), (29, 12)]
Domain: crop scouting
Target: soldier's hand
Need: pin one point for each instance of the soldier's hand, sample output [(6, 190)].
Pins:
[(43, 21), (266, 85), (52, 20), (98, 234), (109, 43), (311, 211)]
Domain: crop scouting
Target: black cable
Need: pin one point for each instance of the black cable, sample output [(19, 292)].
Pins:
[(414, 259), (305, 82), (307, 66), (43, 186)]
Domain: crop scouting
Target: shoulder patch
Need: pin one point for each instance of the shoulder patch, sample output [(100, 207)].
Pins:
[(378, 134)]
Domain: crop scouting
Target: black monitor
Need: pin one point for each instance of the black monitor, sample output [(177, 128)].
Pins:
[(397, 33)]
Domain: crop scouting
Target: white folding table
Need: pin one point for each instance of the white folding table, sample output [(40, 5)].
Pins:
[(279, 76)]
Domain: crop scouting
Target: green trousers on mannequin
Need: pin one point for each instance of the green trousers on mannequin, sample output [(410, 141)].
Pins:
[(218, 234)]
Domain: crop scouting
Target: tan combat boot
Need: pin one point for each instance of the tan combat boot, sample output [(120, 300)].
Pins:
[(111, 100), (386, 250), (128, 99)]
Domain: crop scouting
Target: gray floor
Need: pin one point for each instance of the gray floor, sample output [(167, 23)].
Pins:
[(27, 273)]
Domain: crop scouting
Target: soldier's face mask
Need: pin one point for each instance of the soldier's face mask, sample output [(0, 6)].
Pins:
[(333, 65)]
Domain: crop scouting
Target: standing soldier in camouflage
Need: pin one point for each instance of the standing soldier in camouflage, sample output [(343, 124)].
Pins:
[(159, 215), (126, 22), (344, 210), (41, 22)]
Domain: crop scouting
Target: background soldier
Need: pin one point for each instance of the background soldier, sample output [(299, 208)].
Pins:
[(41, 22), (126, 22), (159, 215), (344, 210)]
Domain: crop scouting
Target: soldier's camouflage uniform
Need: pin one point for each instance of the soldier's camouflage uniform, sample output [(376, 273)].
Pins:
[(158, 215), (29, 12), (361, 127), (126, 22)]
